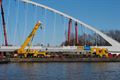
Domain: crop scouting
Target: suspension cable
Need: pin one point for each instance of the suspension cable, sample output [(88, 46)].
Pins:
[(35, 14), (35, 17), (44, 31), (42, 34), (8, 10), (25, 26), (41, 14), (7, 19), (54, 25), (64, 34), (84, 36), (16, 24), (63, 24), (82, 30), (96, 39)]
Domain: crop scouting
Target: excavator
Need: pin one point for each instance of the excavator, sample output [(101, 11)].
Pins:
[(22, 51)]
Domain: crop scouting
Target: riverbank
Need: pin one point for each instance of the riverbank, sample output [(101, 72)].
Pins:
[(4, 60), (17, 60), (64, 59)]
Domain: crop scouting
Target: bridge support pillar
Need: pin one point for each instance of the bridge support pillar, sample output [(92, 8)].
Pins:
[(69, 31), (76, 34)]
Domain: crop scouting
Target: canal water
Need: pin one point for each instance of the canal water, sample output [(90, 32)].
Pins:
[(60, 71)]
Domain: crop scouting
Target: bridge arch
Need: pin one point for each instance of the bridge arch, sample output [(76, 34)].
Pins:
[(113, 42)]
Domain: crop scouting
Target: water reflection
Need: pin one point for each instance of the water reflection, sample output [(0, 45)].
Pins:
[(60, 71)]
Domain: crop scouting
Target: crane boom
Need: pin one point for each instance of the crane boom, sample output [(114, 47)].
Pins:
[(29, 38), (4, 25)]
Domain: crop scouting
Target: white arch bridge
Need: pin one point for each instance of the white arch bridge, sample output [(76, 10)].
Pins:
[(115, 44)]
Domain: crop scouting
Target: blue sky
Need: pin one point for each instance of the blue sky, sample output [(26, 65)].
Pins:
[(99, 13), (102, 14)]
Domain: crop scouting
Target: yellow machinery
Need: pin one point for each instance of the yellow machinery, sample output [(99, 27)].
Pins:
[(100, 51), (25, 52), (80, 48)]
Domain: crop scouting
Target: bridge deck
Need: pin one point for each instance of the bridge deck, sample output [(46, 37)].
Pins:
[(56, 49)]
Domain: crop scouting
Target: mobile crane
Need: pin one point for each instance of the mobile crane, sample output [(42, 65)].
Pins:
[(27, 52)]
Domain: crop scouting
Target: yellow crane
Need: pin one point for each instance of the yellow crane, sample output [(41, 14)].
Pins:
[(26, 52)]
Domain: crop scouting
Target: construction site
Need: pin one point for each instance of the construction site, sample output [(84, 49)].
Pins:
[(86, 51)]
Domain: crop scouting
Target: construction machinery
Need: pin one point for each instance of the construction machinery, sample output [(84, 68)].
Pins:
[(27, 43), (94, 51), (4, 25), (102, 52)]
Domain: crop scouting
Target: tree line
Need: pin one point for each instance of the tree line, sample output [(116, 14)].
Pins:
[(92, 39)]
